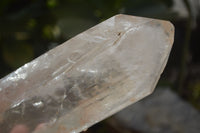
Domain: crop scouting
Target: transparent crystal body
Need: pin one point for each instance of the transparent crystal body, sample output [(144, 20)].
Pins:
[(88, 78)]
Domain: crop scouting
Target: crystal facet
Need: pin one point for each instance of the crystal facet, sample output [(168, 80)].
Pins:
[(88, 78)]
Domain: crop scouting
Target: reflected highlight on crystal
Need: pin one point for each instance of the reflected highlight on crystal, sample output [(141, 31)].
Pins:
[(88, 78)]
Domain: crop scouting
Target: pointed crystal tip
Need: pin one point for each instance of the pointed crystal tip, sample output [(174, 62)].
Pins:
[(88, 78)]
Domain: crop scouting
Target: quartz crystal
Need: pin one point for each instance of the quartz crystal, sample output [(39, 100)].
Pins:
[(87, 78)]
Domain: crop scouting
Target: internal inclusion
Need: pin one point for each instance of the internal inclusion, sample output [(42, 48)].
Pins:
[(48, 109)]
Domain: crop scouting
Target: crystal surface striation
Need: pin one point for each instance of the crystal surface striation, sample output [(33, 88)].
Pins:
[(87, 78)]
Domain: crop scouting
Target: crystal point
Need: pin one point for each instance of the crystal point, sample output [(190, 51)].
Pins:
[(87, 78)]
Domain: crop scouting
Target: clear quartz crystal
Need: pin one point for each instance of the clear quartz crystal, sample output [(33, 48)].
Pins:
[(88, 78)]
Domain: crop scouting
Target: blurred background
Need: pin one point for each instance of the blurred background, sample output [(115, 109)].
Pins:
[(28, 28)]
